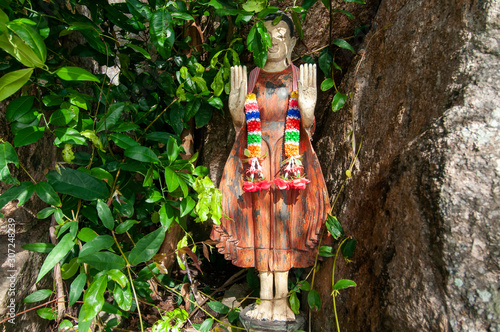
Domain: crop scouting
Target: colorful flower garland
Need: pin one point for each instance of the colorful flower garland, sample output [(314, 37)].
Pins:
[(292, 178)]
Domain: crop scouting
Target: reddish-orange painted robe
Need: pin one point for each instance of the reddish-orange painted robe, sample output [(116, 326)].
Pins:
[(271, 230)]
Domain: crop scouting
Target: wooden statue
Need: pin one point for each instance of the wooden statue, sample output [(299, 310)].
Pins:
[(274, 199)]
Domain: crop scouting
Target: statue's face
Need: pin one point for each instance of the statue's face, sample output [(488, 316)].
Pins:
[(282, 42)]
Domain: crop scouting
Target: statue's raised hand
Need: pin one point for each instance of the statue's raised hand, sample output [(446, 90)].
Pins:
[(307, 94), (237, 95)]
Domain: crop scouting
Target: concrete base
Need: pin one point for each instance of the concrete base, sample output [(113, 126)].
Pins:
[(255, 325)]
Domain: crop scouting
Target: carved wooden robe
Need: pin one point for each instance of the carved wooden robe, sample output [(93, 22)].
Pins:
[(271, 230)]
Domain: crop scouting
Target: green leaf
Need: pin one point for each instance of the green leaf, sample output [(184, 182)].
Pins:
[(31, 37), (28, 136), (118, 277), (203, 116), (215, 102), (7, 156), (39, 295), (333, 226), (140, 50), (305, 285), (47, 193), (123, 296), (55, 256), (298, 24), (327, 84), (147, 247), (13, 81), (78, 184), (348, 248), (343, 44), (21, 192), (167, 215), (172, 179), (103, 260), (137, 8), (62, 117), (123, 140), (172, 149), (125, 226), (187, 205), (218, 307), (39, 247), (16, 47), (343, 283), (141, 153), (69, 136), (105, 215), (45, 213), (314, 300), (356, 1), (75, 74), (46, 313), (65, 325), (93, 299), (294, 303), (68, 270), (76, 288), (96, 244), (325, 60), (255, 5), (86, 234), (306, 4), (218, 84), (161, 33), (113, 116), (338, 101), (206, 325), (201, 171), (326, 3), (326, 251), (19, 107)]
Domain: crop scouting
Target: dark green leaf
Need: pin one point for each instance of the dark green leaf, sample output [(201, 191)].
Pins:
[(338, 101), (348, 248), (19, 107), (123, 140), (13, 81), (105, 215), (93, 299), (31, 37), (39, 295), (162, 137), (356, 1), (203, 116), (39, 247), (86, 234), (62, 116), (147, 247), (68, 270), (103, 260), (69, 136), (137, 8), (7, 155), (298, 24), (28, 135), (75, 74), (343, 44), (182, 16), (125, 226), (172, 179), (233, 316), (76, 288), (113, 116), (294, 303), (123, 296), (305, 285), (187, 205), (172, 149), (192, 108), (141, 153), (215, 102), (161, 33), (325, 62), (314, 300), (218, 307), (22, 193), (267, 11), (78, 184), (200, 171), (345, 12), (47, 193), (55, 256), (326, 251), (167, 215), (326, 3), (45, 213), (327, 84), (306, 4), (96, 244), (333, 226), (343, 283)]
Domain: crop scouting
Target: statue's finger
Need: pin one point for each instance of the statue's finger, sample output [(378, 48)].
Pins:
[(314, 76), (301, 76), (245, 80), (311, 73)]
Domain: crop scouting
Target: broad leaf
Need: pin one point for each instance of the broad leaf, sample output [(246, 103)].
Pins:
[(39, 295), (118, 277), (206, 326), (294, 303), (218, 307), (338, 101), (147, 247), (75, 74), (343, 283), (93, 299), (326, 251), (187, 205), (31, 37), (103, 260), (19, 107), (78, 184), (343, 44), (47, 193), (314, 300), (28, 136), (348, 248), (76, 288), (55, 256), (39, 247), (125, 226), (21, 192), (327, 84), (333, 226), (13, 81), (105, 215), (96, 244), (141, 153), (161, 33)]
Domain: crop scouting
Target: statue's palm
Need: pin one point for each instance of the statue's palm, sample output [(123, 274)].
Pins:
[(307, 93), (238, 94)]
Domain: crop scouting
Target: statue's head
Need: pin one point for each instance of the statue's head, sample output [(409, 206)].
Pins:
[(282, 37)]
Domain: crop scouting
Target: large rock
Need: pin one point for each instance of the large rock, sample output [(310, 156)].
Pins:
[(424, 200)]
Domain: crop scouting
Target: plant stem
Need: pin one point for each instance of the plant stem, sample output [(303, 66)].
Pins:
[(333, 283)]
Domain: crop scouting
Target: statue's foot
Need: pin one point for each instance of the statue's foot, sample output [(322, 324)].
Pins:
[(262, 311), (281, 310)]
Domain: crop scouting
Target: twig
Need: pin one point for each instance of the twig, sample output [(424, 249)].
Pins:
[(28, 310)]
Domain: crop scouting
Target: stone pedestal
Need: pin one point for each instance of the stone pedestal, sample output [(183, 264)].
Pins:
[(255, 325)]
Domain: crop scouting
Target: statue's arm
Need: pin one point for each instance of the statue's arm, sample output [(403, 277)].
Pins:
[(237, 96), (307, 95)]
